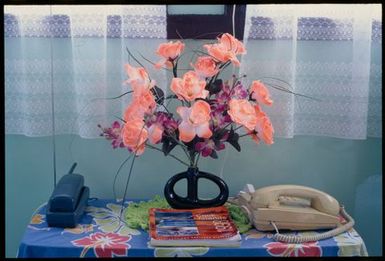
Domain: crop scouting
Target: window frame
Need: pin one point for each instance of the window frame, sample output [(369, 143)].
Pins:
[(206, 26)]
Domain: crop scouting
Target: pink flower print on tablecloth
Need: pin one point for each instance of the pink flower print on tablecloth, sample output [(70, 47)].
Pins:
[(104, 244), (286, 249)]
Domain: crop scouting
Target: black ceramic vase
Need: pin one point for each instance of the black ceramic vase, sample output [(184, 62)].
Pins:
[(192, 201)]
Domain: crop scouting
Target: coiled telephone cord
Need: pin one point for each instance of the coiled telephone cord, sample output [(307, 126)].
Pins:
[(300, 239)]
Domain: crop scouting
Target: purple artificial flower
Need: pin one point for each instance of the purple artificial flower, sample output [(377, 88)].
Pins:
[(114, 134), (163, 119), (168, 122), (227, 93), (219, 118), (223, 96), (209, 146), (239, 92)]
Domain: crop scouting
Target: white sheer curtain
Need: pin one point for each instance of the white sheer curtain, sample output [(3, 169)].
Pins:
[(331, 52), (75, 55)]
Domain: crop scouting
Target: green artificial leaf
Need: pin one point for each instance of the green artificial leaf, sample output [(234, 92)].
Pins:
[(233, 139), (168, 145), (165, 145), (211, 101), (202, 99), (217, 141), (171, 146), (172, 96), (235, 144), (217, 137), (215, 87), (159, 94), (191, 145), (214, 154)]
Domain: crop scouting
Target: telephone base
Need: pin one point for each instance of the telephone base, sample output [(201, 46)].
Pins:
[(293, 218), (68, 219), (267, 226)]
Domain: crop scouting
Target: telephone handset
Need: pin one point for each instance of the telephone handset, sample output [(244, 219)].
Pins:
[(68, 201), (292, 207)]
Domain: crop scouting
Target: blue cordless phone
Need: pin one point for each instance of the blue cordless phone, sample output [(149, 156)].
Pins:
[(68, 201)]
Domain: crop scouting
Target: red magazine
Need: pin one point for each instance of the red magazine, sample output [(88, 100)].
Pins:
[(193, 227)]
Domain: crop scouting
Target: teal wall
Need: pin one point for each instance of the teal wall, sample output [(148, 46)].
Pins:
[(350, 170)]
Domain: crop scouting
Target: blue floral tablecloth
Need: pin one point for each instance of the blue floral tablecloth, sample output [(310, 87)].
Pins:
[(101, 234)]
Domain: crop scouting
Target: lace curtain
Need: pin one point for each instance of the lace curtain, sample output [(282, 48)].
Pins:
[(68, 59), (331, 53), (71, 57)]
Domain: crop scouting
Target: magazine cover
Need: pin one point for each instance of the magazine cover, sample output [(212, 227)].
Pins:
[(190, 224)]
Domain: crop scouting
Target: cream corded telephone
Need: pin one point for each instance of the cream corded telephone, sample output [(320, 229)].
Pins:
[(292, 207)]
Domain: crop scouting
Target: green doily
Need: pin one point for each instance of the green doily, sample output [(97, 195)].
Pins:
[(240, 219), (136, 214)]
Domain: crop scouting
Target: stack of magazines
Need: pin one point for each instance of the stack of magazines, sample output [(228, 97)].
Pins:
[(211, 227)]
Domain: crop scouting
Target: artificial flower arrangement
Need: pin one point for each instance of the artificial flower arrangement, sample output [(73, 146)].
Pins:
[(211, 111)]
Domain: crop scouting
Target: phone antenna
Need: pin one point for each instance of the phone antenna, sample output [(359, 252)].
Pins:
[(72, 168)]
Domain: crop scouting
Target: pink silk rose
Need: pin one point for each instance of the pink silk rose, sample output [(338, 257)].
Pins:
[(189, 87), (263, 128), (205, 66), (143, 103), (169, 51), (195, 121), (155, 132), (227, 49), (243, 112), (232, 43), (135, 135), (138, 78), (145, 99), (134, 111), (260, 93)]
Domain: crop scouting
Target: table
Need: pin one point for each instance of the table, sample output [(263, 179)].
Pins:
[(101, 234)]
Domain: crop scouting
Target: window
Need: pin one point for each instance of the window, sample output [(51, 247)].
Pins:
[(205, 26)]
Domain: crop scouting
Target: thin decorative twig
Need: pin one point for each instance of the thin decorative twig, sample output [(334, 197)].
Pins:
[(180, 36), (196, 37), (113, 98), (280, 80), (184, 147), (149, 61), (171, 155), (227, 125), (196, 162), (117, 173), (136, 60), (237, 128), (129, 173), (278, 87), (204, 53), (221, 67), (119, 118), (246, 134), (175, 69)]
